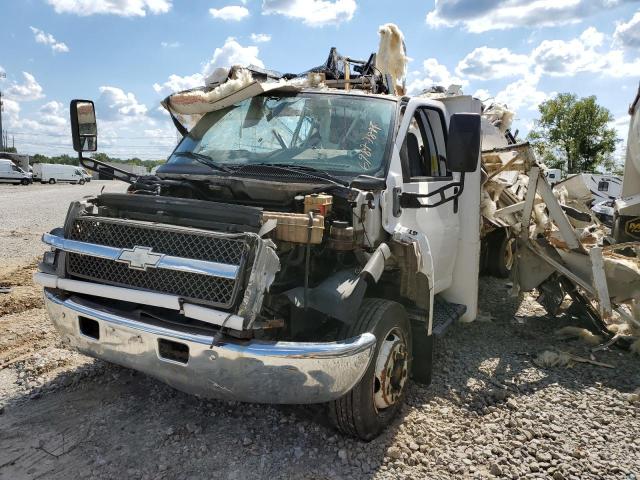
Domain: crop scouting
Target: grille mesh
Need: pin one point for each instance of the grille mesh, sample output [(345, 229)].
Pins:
[(168, 242), (190, 286), (198, 288)]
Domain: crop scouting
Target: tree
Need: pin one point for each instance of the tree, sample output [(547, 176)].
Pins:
[(574, 134)]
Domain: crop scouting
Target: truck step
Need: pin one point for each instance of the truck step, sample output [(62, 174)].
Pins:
[(444, 314)]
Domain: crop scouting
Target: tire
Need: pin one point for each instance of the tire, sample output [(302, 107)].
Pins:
[(81, 182), (52, 181), (359, 413), (25, 181), (501, 254)]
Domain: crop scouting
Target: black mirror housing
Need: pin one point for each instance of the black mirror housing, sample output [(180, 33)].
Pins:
[(463, 143), (84, 129)]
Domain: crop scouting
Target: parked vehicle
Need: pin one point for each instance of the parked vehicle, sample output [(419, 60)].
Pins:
[(553, 175), (11, 173), (591, 188), (627, 208), (20, 160), (604, 211), (58, 173)]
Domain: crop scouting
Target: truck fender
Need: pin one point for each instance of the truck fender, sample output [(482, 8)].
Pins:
[(425, 265)]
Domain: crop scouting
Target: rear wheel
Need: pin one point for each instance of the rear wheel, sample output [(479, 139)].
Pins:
[(374, 402), (501, 254), (52, 181)]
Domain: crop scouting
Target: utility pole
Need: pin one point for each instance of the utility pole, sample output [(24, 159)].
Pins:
[(1, 131), (2, 75)]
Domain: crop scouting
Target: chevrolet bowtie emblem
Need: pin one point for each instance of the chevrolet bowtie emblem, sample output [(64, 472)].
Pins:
[(139, 258)]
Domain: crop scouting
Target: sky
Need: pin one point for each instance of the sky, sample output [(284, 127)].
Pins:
[(127, 55)]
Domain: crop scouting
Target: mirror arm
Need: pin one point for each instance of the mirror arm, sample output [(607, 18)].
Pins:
[(412, 200), (126, 176)]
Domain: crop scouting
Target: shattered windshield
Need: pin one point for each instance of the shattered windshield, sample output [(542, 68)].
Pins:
[(342, 134)]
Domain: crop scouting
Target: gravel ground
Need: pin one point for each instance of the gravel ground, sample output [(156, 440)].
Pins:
[(490, 412), (26, 212)]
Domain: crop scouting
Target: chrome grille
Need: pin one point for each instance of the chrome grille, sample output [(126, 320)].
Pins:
[(195, 287), (199, 246)]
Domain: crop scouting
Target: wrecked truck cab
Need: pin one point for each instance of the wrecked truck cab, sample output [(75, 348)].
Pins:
[(297, 247)]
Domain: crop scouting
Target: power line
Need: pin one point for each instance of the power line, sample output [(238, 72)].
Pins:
[(38, 134), (118, 147)]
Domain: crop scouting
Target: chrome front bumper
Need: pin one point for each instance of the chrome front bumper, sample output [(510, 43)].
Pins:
[(254, 371)]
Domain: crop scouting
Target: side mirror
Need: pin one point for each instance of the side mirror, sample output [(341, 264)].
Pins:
[(84, 129), (463, 143)]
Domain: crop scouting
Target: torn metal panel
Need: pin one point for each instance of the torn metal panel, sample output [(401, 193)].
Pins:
[(265, 266), (240, 86), (600, 282), (529, 271)]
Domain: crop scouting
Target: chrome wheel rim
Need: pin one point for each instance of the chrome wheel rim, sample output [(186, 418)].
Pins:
[(391, 370)]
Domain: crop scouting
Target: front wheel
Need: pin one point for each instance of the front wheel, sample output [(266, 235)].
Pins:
[(81, 182), (25, 181), (373, 403), (52, 181)]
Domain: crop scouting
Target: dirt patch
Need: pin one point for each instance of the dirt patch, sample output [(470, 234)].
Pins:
[(23, 293)]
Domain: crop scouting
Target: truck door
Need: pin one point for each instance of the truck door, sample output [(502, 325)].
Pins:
[(424, 170)]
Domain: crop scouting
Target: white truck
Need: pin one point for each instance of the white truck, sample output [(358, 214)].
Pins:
[(58, 173), (11, 173), (304, 243), (300, 252)]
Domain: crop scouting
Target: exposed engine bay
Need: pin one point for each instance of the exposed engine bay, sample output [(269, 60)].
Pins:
[(321, 246)]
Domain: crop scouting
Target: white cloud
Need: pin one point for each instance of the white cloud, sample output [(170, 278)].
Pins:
[(45, 38), (260, 37), (29, 90), (53, 114), (232, 53), (557, 58), (570, 57), (116, 104), (176, 83), (490, 63), (170, 44), (233, 13), (10, 108), (125, 8), (433, 73), (482, 94), (312, 12), (628, 34), (481, 16), (521, 94)]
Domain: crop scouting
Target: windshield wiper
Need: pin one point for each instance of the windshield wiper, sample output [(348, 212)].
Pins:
[(308, 171), (203, 159)]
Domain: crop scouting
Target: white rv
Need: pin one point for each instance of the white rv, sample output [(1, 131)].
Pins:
[(591, 188), (11, 173), (54, 173)]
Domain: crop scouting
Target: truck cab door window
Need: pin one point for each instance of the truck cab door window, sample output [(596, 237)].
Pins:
[(423, 151)]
